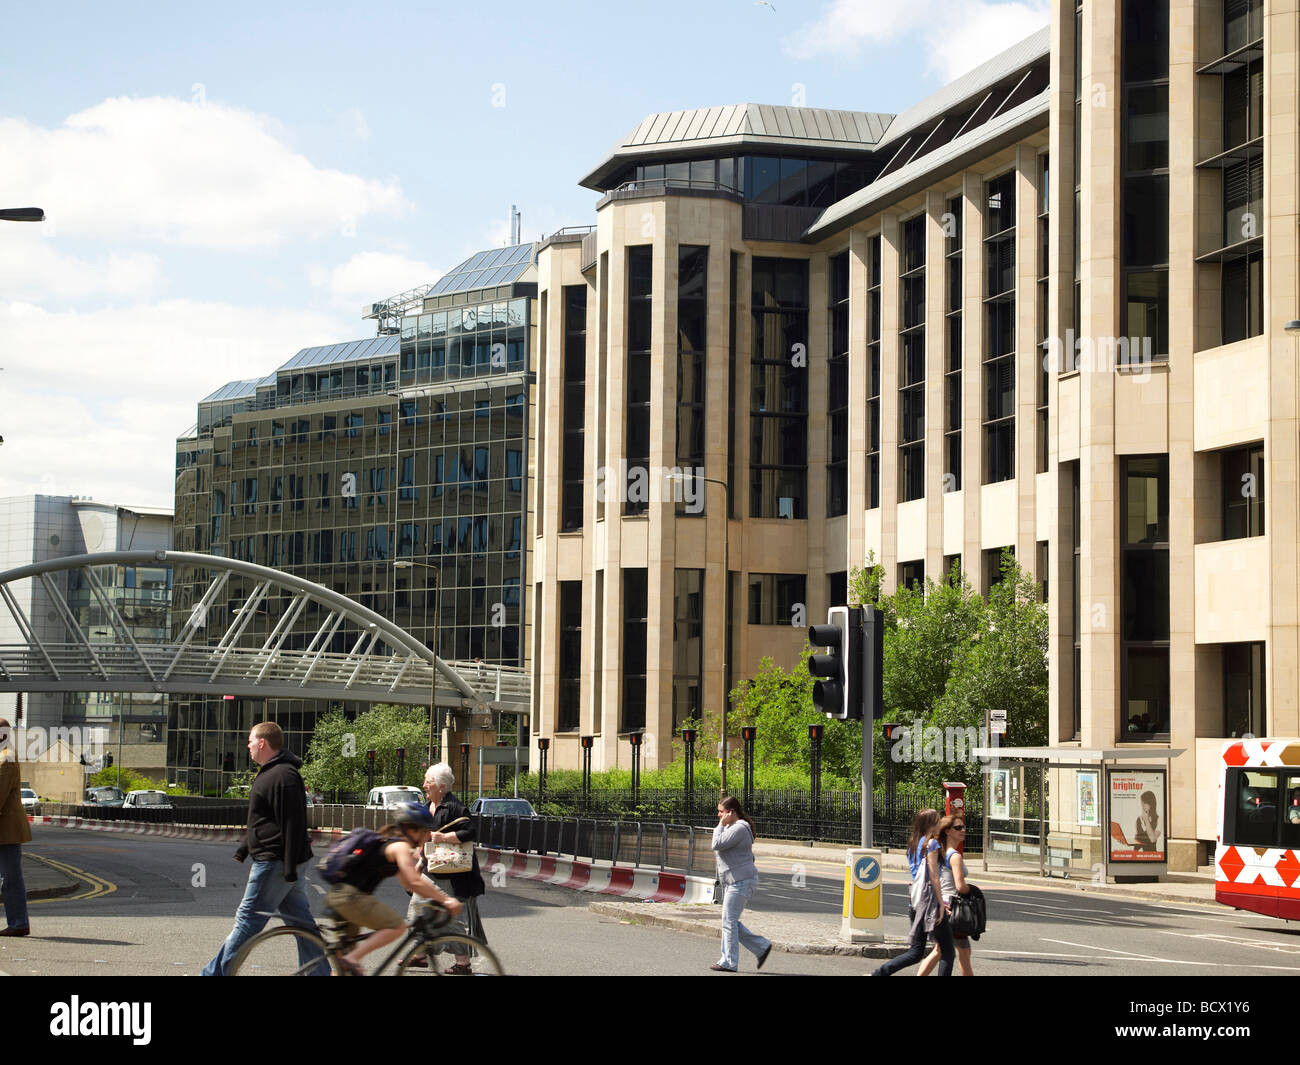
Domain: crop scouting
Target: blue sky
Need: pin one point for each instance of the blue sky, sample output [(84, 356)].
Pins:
[(227, 184)]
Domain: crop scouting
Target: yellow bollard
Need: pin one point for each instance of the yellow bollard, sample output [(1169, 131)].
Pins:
[(862, 919)]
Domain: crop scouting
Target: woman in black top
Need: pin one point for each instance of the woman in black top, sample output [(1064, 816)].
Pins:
[(466, 887)]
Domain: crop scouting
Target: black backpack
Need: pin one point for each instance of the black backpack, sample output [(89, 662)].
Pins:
[(347, 853), (969, 913)]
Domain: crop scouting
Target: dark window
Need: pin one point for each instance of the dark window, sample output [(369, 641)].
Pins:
[(573, 455), (778, 460), (1243, 492), (953, 332), (1000, 330), (837, 390), (637, 444), (1243, 689), (692, 306), (1144, 596), (911, 575), (873, 375), (911, 371), (776, 598), (635, 613), (688, 644), (567, 715)]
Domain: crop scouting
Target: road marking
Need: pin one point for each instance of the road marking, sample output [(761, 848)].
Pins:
[(1070, 917), (1042, 954), (98, 886), (1235, 941), (1127, 953)]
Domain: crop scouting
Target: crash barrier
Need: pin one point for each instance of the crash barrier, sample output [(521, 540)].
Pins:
[(645, 845), (179, 812), (649, 885)]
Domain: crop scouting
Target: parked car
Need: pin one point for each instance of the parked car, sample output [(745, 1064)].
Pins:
[(394, 795), (30, 800), (502, 808), (105, 795), (147, 800)]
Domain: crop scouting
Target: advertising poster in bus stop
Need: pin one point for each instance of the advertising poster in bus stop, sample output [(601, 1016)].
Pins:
[(1137, 815)]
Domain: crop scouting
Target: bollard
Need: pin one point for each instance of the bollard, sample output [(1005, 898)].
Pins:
[(862, 918)]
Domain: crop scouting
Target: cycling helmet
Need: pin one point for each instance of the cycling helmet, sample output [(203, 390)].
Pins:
[(412, 813)]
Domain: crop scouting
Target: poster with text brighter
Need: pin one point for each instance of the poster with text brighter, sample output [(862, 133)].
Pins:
[(1137, 815)]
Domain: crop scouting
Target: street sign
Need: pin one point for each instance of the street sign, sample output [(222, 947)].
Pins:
[(998, 722)]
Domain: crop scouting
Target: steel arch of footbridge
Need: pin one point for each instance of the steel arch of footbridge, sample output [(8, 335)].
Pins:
[(385, 664)]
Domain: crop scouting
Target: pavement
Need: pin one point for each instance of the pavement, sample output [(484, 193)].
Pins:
[(813, 934)]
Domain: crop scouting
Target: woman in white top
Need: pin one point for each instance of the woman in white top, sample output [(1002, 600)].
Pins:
[(733, 845)]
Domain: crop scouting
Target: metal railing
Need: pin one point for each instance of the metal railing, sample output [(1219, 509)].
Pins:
[(646, 845)]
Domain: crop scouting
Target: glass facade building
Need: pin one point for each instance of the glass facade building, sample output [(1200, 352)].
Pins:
[(353, 457)]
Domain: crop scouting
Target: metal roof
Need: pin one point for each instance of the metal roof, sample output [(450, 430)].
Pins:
[(762, 126), (232, 390), (486, 269), (1006, 129), (1034, 47), (349, 351)]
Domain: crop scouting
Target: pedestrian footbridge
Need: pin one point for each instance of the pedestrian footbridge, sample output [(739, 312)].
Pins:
[(251, 632)]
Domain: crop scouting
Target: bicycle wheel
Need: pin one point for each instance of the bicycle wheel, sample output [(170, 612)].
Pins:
[(482, 960), (275, 953)]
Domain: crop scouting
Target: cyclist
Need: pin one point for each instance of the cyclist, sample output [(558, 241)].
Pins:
[(353, 899)]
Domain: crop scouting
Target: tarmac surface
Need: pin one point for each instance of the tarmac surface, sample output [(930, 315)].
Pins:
[(820, 934), (790, 933)]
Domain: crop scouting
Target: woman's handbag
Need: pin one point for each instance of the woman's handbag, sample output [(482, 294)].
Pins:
[(969, 915), (447, 858)]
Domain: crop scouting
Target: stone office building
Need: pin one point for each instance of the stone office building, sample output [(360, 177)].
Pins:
[(407, 447), (841, 318)]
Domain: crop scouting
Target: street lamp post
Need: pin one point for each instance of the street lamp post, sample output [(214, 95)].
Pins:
[(726, 592), (406, 563)]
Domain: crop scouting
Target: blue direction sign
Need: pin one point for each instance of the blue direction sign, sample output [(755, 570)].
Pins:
[(866, 871)]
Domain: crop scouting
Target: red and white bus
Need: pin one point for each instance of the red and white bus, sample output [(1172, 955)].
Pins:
[(1257, 859)]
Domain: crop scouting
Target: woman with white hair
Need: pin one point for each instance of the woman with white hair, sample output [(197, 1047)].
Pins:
[(466, 887)]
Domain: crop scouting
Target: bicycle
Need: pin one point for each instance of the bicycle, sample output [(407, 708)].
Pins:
[(275, 951)]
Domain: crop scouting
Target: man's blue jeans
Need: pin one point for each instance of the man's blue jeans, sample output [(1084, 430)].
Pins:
[(12, 887), (268, 892), (733, 932)]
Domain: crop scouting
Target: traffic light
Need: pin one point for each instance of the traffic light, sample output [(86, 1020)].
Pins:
[(838, 694)]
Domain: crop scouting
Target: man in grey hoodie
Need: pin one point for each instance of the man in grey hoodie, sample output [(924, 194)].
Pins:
[(278, 842)]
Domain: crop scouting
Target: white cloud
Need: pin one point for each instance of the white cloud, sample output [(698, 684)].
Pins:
[(188, 173), (371, 276), (33, 267), (957, 35), (92, 401)]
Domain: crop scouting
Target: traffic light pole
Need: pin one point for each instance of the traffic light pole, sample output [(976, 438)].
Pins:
[(868, 730)]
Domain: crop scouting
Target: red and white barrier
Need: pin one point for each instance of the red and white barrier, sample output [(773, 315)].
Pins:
[(602, 878)]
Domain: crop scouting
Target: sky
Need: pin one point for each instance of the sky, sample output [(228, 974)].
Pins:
[(225, 185)]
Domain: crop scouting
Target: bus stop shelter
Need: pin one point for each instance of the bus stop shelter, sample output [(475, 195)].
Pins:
[(1076, 812)]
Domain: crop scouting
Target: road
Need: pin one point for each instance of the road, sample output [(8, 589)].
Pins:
[(1047, 930), (162, 906)]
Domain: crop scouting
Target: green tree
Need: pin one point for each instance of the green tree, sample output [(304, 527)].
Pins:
[(336, 756), (780, 705)]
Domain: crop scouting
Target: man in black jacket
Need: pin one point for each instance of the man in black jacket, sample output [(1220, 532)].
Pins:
[(278, 842)]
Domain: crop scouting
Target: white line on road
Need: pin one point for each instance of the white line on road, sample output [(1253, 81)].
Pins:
[(1127, 954), (1043, 954), (1070, 917), (1235, 941)]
